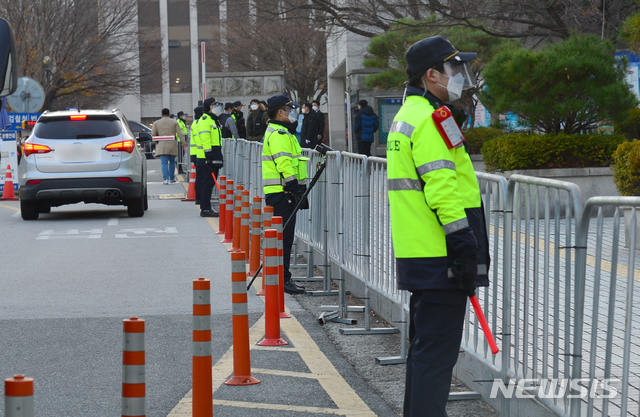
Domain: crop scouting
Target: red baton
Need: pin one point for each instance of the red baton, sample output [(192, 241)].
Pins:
[(216, 181), (484, 324)]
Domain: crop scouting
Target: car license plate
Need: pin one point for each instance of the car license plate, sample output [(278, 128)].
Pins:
[(77, 153)]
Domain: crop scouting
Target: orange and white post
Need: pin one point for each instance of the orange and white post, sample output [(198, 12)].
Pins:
[(256, 223), (222, 206), (18, 397), (237, 219), (272, 335), (245, 223), (266, 224), (240, 311), (276, 221), (202, 377), (133, 368), (228, 219)]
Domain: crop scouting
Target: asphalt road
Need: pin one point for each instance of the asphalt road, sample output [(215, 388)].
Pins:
[(68, 279)]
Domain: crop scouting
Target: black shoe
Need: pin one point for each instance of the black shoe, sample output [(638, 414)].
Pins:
[(208, 213), (198, 202), (291, 287)]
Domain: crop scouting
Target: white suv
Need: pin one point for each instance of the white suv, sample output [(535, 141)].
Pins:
[(89, 156)]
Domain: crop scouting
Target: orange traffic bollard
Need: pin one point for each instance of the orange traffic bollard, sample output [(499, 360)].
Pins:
[(191, 192), (18, 397), (237, 218), (277, 224), (133, 372), (256, 223), (222, 206), (245, 223), (202, 377), (228, 219), (241, 352), (272, 336), (266, 224), (8, 193)]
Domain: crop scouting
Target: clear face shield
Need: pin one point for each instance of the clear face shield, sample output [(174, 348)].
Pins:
[(217, 109), (460, 76), (461, 71)]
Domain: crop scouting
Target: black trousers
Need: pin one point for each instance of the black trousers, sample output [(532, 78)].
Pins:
[(206, 183), (435, 333), (283, 206), (364, 148)]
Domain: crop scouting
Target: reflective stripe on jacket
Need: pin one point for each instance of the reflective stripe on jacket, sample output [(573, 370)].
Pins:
[(193, 141), (209, 137), (282, 159), (433, 192)]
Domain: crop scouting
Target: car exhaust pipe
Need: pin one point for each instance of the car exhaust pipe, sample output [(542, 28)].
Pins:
[(112, 194)]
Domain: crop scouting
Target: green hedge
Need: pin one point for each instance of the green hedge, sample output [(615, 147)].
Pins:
[(626, 168), (532, 151), (476, 137)]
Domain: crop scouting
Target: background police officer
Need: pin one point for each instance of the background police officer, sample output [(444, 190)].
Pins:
[(182, 118), (284, 173), (210, 138), (193, 149), (437, 221)]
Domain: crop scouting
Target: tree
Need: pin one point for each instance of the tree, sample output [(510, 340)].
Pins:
[(630, 31), (569, 86), (88, 44), (264, 39), (387, 53), (532, 21)]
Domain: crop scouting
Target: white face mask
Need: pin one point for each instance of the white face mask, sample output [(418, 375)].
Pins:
[(303, 111), (254, 107), (315, 108), (454, 87)]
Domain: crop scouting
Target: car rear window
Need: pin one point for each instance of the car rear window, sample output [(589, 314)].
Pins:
[(93, 127)]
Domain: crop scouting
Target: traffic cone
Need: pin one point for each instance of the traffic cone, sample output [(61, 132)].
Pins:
[(191, 192), (272, 335), (256, 234), (18, 397), (7, 192), (228, 218), (245, 223), (202, 406), (266, 219), (237, 219)]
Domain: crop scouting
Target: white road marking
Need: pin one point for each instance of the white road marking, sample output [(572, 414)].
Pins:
[(70, 234), (146, 232)]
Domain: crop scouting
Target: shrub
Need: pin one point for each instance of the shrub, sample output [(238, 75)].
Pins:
[(476, 137), (626, 168), (533, 151), (630, 126)]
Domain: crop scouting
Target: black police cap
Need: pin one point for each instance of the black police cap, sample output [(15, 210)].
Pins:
[(430, 52), (208, 102), (198, 111), (280, 100), (237, 103), (180, 113)]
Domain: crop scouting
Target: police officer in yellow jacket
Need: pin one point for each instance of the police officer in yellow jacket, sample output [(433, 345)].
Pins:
[(193, 149), (284, 173), (437, 221), (181, 120), (210, 158)]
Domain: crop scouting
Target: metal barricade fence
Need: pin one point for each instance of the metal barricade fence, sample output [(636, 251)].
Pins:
[(538, 286), (609, 313), (543, 257), (493, 189)]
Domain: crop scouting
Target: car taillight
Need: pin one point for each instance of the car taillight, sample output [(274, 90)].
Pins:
[(33, 182), (124, 146), (30, 148), (123, 179), (78, 117)]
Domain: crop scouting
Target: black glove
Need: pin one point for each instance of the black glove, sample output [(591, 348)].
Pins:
[(209, 157), (291, 186), (465, 271), (301, 189)]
